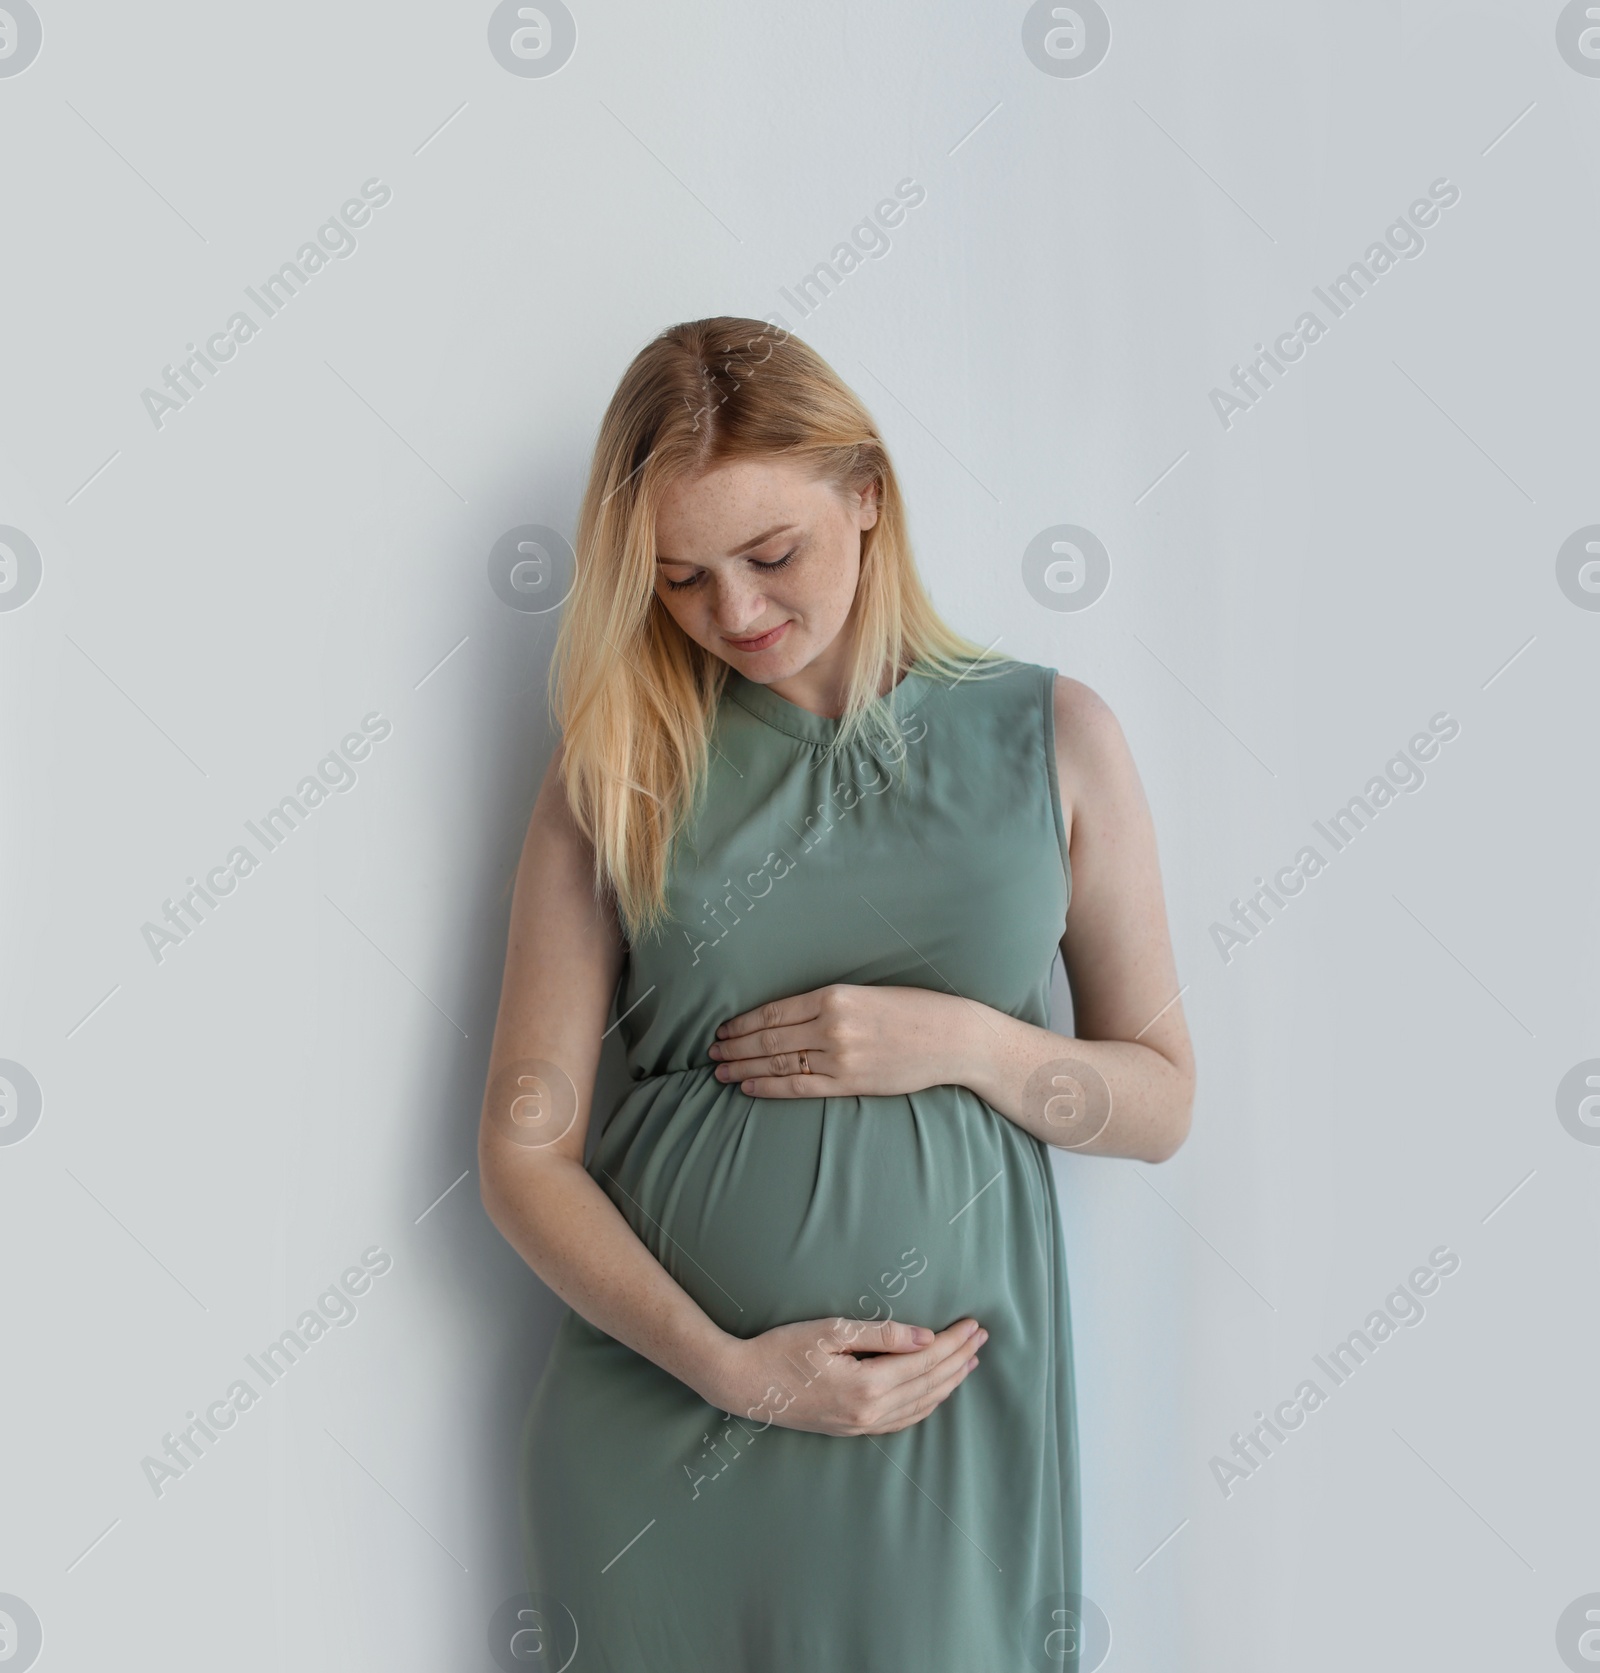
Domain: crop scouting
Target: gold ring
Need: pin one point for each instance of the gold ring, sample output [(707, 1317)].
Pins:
[(805, 1064)]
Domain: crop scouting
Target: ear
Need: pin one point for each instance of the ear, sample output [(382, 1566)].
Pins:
[(868, 513)]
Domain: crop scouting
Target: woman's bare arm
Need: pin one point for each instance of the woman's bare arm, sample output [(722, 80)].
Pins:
[(1124, 1084), (563, 957)]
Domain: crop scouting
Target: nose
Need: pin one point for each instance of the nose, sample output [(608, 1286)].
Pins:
[(738, 608)]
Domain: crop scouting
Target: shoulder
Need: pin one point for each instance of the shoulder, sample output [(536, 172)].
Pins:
[(1092, 753), (1087, 738), (1081, 712)]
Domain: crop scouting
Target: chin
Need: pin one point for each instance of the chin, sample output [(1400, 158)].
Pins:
[(780, 663)]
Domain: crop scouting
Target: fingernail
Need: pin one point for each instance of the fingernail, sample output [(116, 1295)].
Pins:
[(716, 1051), (921, 1337), (983, 1336), (972, 1365), (973, 1328)]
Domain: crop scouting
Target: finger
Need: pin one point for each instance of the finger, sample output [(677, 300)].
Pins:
[(914, 1403), (889, 1374), (931, 1390), (765, 1042), (778, 1064), (885, 1336), (789, 1086), (907, 1339), (912, 1400), (776, 1013), (929, 1397)]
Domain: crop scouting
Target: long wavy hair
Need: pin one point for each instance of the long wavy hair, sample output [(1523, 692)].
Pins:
[(634, 696)]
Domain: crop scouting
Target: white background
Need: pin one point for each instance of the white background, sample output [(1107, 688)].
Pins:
[(222, 598)]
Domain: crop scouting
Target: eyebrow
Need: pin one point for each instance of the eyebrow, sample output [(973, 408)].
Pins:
[(738, 551)]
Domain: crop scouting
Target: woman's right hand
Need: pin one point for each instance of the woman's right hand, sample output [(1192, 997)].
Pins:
[(808, 1376)]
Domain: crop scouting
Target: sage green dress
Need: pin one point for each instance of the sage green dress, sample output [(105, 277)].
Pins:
[(663, 1536)]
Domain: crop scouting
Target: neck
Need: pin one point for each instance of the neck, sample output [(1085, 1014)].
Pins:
[(820, 686)]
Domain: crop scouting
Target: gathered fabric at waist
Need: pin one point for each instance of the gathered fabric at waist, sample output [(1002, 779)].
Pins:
[(635, 1078), (677, 1085)]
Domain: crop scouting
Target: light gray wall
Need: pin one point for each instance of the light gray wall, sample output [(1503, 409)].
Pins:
[(1293, 594)]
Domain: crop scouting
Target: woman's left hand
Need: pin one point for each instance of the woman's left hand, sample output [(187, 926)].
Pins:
[(857, 1041)]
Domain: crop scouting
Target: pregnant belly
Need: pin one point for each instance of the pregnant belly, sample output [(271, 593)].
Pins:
[(923, 1207)]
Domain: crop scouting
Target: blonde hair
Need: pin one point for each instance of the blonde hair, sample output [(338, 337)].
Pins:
[(634, 696)]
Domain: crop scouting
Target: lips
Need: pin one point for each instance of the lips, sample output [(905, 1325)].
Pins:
[(759, 641)]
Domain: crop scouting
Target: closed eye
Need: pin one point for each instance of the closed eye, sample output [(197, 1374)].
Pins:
[(777, 563)]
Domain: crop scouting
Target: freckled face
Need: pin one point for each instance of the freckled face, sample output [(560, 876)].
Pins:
[(757, 561)]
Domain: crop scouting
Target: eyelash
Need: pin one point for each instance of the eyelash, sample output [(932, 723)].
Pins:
[(765, 568)]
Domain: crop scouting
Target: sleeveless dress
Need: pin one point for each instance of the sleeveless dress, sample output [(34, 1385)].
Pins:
[(664, 1535)]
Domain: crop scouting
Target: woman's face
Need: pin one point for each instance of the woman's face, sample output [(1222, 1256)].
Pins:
[(757, 562)]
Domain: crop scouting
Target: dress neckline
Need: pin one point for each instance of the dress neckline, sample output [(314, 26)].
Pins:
[(778, 712)]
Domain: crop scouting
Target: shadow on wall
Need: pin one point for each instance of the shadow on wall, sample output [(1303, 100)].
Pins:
[(515, 580)]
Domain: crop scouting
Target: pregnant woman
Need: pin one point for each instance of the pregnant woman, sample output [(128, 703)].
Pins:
[(811, 1407)]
